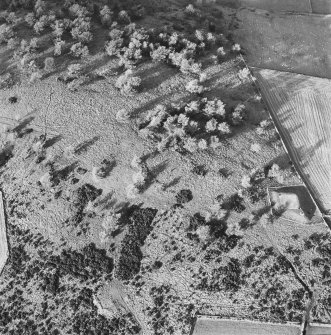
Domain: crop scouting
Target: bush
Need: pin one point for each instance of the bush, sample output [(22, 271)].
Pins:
[(224, 128), (190, 10), (127, 83), (39, 8), (122, 115), (74, 70), (77, 10), (239, 114), (49, 64), (113, 47), (58, 46), (235, 202), (6, 81), (78, 50), (244, 73), (106, 16), (12, 43), (6, 32), (185, 64), (214, 107), (30, 19), (160, 54), (106, 167), (41, 24), (81, 29), (184, 196), (194, 87), (211, 125), (58, 28), (123, 17)]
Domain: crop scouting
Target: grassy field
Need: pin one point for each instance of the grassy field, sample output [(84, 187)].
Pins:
[(209, 326), (318, 329), (285, 42), (301, 107)]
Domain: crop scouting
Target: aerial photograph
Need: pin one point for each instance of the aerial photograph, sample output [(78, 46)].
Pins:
[(165, 167)]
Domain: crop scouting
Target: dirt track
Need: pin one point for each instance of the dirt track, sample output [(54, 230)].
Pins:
[(3, 236), (300, 107)]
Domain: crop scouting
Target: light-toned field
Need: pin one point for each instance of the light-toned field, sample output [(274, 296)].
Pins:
[(279, 5), (300, 107), (318, 329), (286, 42), (321, 6), (209, 326), (3, 236), (298, 6)]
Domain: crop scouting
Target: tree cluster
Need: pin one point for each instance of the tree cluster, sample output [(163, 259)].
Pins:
[(197, 125), (139, 227)]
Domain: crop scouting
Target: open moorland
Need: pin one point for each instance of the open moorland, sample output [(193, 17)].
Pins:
[(136, 155)]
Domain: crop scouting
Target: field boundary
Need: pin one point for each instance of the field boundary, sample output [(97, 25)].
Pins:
[(4, 252)]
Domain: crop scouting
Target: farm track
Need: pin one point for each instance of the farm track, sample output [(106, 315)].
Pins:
[(3, 236), (303, 119)]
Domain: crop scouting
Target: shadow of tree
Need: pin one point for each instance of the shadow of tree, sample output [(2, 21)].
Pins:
[(157, 74), (5, 154), (84, 146), (172, 183), (154, 173), (19, 129), (51, 141)]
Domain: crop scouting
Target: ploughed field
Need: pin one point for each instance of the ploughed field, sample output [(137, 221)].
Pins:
[(300, 106)]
